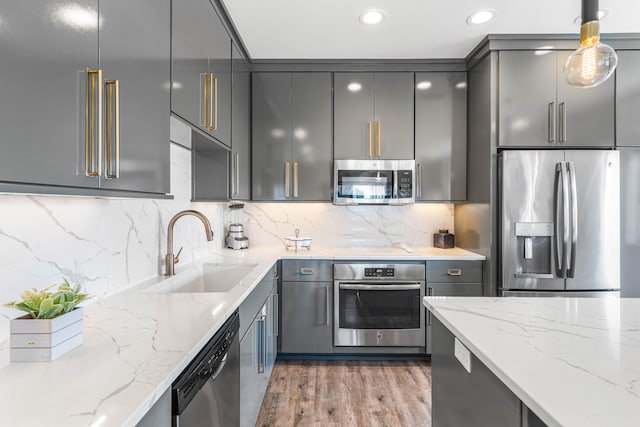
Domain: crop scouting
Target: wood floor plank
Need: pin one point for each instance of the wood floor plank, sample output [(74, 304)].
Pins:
[(348, 393)]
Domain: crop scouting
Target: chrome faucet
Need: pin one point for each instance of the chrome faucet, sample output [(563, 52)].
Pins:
[(170, 259)]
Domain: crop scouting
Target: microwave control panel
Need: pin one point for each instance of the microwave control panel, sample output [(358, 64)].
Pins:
[(379, 272), (405, 184)]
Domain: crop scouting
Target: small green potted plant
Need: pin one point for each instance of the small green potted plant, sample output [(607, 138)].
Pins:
[(53, 323)]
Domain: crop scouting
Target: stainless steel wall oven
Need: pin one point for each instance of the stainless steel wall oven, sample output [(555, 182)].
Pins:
[(379, 305)]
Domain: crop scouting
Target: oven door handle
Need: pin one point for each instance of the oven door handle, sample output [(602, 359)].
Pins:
[(363, 287)]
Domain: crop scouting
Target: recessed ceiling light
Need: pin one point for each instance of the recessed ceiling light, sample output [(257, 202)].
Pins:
[(372, 17), (481, 16), (423, 85), (354, 87), (602, 13)]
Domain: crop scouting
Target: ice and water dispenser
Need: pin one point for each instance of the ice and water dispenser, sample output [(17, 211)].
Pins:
[(534, 247)]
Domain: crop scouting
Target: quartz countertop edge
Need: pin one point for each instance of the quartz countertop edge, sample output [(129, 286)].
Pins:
[(572, 361), (136, 344)]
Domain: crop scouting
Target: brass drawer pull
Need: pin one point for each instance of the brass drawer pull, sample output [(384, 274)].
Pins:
[(112, 130), (93, 123)]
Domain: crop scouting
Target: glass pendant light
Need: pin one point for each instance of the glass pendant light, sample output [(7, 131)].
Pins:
[(594, 62)]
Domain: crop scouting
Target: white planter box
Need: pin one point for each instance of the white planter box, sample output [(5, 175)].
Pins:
[(42, 340)]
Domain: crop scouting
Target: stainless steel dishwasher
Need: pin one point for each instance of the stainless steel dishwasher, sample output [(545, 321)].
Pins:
[(207, 392)]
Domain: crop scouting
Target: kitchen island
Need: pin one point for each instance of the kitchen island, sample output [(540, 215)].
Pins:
[(137, 342), (571, 361)]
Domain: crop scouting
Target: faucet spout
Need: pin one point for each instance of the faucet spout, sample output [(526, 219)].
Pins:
[(170, 259)]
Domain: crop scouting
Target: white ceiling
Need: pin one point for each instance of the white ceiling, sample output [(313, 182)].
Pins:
[(329, 29)]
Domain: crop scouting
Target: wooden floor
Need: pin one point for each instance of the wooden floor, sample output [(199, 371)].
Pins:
[(348, 393)]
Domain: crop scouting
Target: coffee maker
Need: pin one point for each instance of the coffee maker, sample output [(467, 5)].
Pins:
[(235, 238)]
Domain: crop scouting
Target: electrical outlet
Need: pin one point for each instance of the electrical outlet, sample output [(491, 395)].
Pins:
[(462, 354)]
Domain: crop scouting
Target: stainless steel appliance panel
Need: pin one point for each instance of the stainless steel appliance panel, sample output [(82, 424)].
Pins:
[(595, 237), (630, 226), (527, 195)]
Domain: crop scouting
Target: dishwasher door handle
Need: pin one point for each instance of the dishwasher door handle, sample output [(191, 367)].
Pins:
[(219, 369)]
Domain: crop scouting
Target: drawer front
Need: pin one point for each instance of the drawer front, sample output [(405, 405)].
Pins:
[(254, 302), (454, 271), (297, 270), (454, 289)]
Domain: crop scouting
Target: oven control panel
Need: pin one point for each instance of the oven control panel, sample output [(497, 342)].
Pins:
[(379, 272)]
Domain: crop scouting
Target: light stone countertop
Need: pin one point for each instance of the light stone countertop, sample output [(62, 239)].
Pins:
[(573, 361), (136, 344)]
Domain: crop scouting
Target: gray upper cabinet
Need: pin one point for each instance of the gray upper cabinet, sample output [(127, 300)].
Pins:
[(537, 108), (373, 116), (43, 81), (86, 114), (628, 99), (201, 61), (142, 69), (240, 128), (291, 134), (441, 136)]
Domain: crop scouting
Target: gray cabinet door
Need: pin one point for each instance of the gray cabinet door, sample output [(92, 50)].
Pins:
[(461, 398), (311, 153), (353, 116), (192, 24), (527, 99), (393, 113), (441, 136), (43, 82), (629, 224), (271, 134), (250, 378), (220, 67), (271, 343), (306, 317), (585, 116), (240, 128), (135, 43), (448, 290), (628, 99)]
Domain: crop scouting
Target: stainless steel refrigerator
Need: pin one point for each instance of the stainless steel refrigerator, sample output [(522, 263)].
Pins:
[(559, 222)]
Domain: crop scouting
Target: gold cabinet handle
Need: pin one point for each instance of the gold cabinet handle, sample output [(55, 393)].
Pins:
[(214, 108), (287, 179), (93, 123), (112, 130), (209, 101), (370, 140), (378, 139), (295, 179)]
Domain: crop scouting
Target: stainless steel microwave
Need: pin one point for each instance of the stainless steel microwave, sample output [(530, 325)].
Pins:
[(374, 182)]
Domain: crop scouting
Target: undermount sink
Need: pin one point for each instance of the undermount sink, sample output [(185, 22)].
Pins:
[(204, 278)]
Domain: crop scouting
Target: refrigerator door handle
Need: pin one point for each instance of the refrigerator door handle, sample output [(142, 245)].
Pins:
[(565, 219), (557, 188), (571, 267)]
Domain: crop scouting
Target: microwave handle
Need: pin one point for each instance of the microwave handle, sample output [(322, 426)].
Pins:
[(395, 184)]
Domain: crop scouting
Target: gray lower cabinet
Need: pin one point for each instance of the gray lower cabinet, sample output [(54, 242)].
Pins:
[(201, 67), (89, 99), (628, 98), (373, 116), (452, 279), (441, 136), (240, 128), (537, 108), (258, 346), (307, 301), (478, 397), (291, 136)]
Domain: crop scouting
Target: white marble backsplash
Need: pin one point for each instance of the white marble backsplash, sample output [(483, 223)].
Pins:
[(104, 244), (359, 226), (108, 245)]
